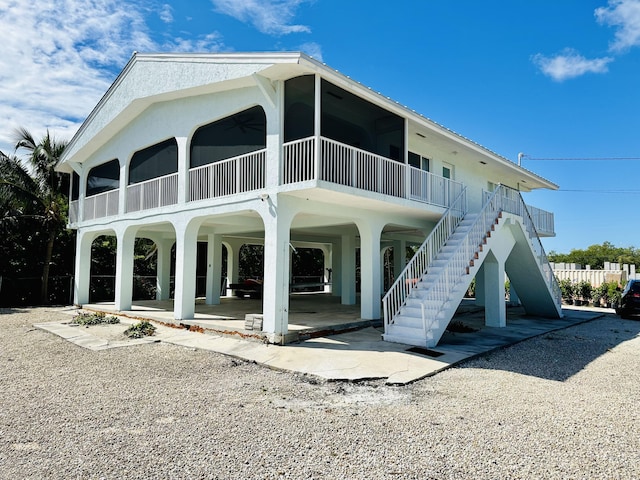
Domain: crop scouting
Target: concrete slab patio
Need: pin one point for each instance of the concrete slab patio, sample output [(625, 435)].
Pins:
[(353, 355)]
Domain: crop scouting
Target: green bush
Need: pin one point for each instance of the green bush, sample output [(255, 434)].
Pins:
[(95, 318), (141, 329)]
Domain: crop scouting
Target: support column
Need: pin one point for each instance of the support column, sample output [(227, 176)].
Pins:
[(370, 293), (327, 271), (82, 277), (275, 298), (185, 281), (233, 261), (183, 169), (399, 257), (163, 273), (214, 269), (124, 268), (348, 270), (480, 287), (495, 312), (336, 265)]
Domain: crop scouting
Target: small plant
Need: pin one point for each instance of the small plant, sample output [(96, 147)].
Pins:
[(95, 318), (567, 288), (141, 329), (585, 290)]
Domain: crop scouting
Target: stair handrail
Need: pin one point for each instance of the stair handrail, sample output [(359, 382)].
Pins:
[(515, 204), (460, 260), (397, 294)]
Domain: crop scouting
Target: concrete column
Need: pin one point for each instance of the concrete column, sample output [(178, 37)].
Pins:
[(163, 273), (233, 261), (82, 277), (336, 265), (326, 254), (348, 270), (214, 269), (495, 307), (275, 298), (124, 268), (399, 257), (185, 282), (480, 286), (122, 193), (183, 169), (370, 293)]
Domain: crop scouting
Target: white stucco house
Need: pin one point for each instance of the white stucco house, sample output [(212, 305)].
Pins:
[(280, 149)]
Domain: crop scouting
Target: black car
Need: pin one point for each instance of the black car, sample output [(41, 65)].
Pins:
[(630, 301)]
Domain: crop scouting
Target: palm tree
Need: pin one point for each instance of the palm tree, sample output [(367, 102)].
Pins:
[(30, 188)]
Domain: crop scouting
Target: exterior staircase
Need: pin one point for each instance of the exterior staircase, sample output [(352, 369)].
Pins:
[(424, 298)]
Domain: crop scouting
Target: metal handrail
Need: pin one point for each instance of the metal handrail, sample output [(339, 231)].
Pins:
[(398, 293)]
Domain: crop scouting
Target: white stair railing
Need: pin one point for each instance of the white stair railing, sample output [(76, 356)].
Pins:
[(397, 295), (441, 288), (512, 202)]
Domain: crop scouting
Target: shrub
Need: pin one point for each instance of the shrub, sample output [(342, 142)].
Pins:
[(96, 318), (141, 329)]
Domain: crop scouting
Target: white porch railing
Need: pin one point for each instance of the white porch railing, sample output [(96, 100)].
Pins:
[(397, 295), (74, 211), (101, 205), (228, 177), (345, 165), (153, 193), (543, 220)]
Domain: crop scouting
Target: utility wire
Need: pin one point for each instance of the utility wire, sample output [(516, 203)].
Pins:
[(577, 159)]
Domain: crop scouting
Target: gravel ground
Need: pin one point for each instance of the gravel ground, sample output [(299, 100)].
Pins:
[(564, 405)]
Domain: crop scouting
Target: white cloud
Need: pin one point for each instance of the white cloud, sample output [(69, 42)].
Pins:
[(624, 14), (60, 56), (570, 64), (268, 16), (166, 13), (312, 49)]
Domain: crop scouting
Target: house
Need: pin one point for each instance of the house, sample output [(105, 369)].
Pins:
[(281, 150)]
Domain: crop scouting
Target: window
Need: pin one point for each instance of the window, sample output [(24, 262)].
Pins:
[(75, 186), (238, 134), (153, 162), (103, 178), (447, 171), (418, 161)]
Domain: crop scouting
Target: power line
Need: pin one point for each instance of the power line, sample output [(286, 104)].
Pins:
[(578, 159)]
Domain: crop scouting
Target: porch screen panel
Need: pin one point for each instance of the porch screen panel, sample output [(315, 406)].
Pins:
[(233, 136), (299, 94), (103, 178), (153, 162)]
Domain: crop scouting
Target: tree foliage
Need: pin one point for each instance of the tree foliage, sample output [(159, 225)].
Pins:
[(597, 255), (33, 205)]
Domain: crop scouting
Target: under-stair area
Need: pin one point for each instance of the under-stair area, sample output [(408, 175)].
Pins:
[(422, 302)]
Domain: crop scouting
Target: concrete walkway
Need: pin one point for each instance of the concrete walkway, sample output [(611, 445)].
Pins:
[(352, 356)]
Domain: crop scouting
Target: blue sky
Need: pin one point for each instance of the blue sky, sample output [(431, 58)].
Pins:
[(548, 78)]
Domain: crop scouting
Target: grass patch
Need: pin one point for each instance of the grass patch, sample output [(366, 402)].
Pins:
[(97, 318), (141, 329)]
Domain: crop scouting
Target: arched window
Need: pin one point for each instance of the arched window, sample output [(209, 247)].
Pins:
[(156, 161), (103, 178), (241, 133)]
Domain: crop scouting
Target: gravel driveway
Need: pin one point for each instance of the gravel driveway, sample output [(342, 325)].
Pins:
[(563, 405)]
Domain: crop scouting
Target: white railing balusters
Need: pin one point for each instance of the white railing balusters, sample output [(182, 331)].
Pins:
[(397, 295), (101, 205), (154, 193), (235, 175)]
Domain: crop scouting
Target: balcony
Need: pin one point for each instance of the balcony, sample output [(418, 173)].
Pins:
[(342, 164)]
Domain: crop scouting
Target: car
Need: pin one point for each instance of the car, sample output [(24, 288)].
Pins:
[(630, 301)]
